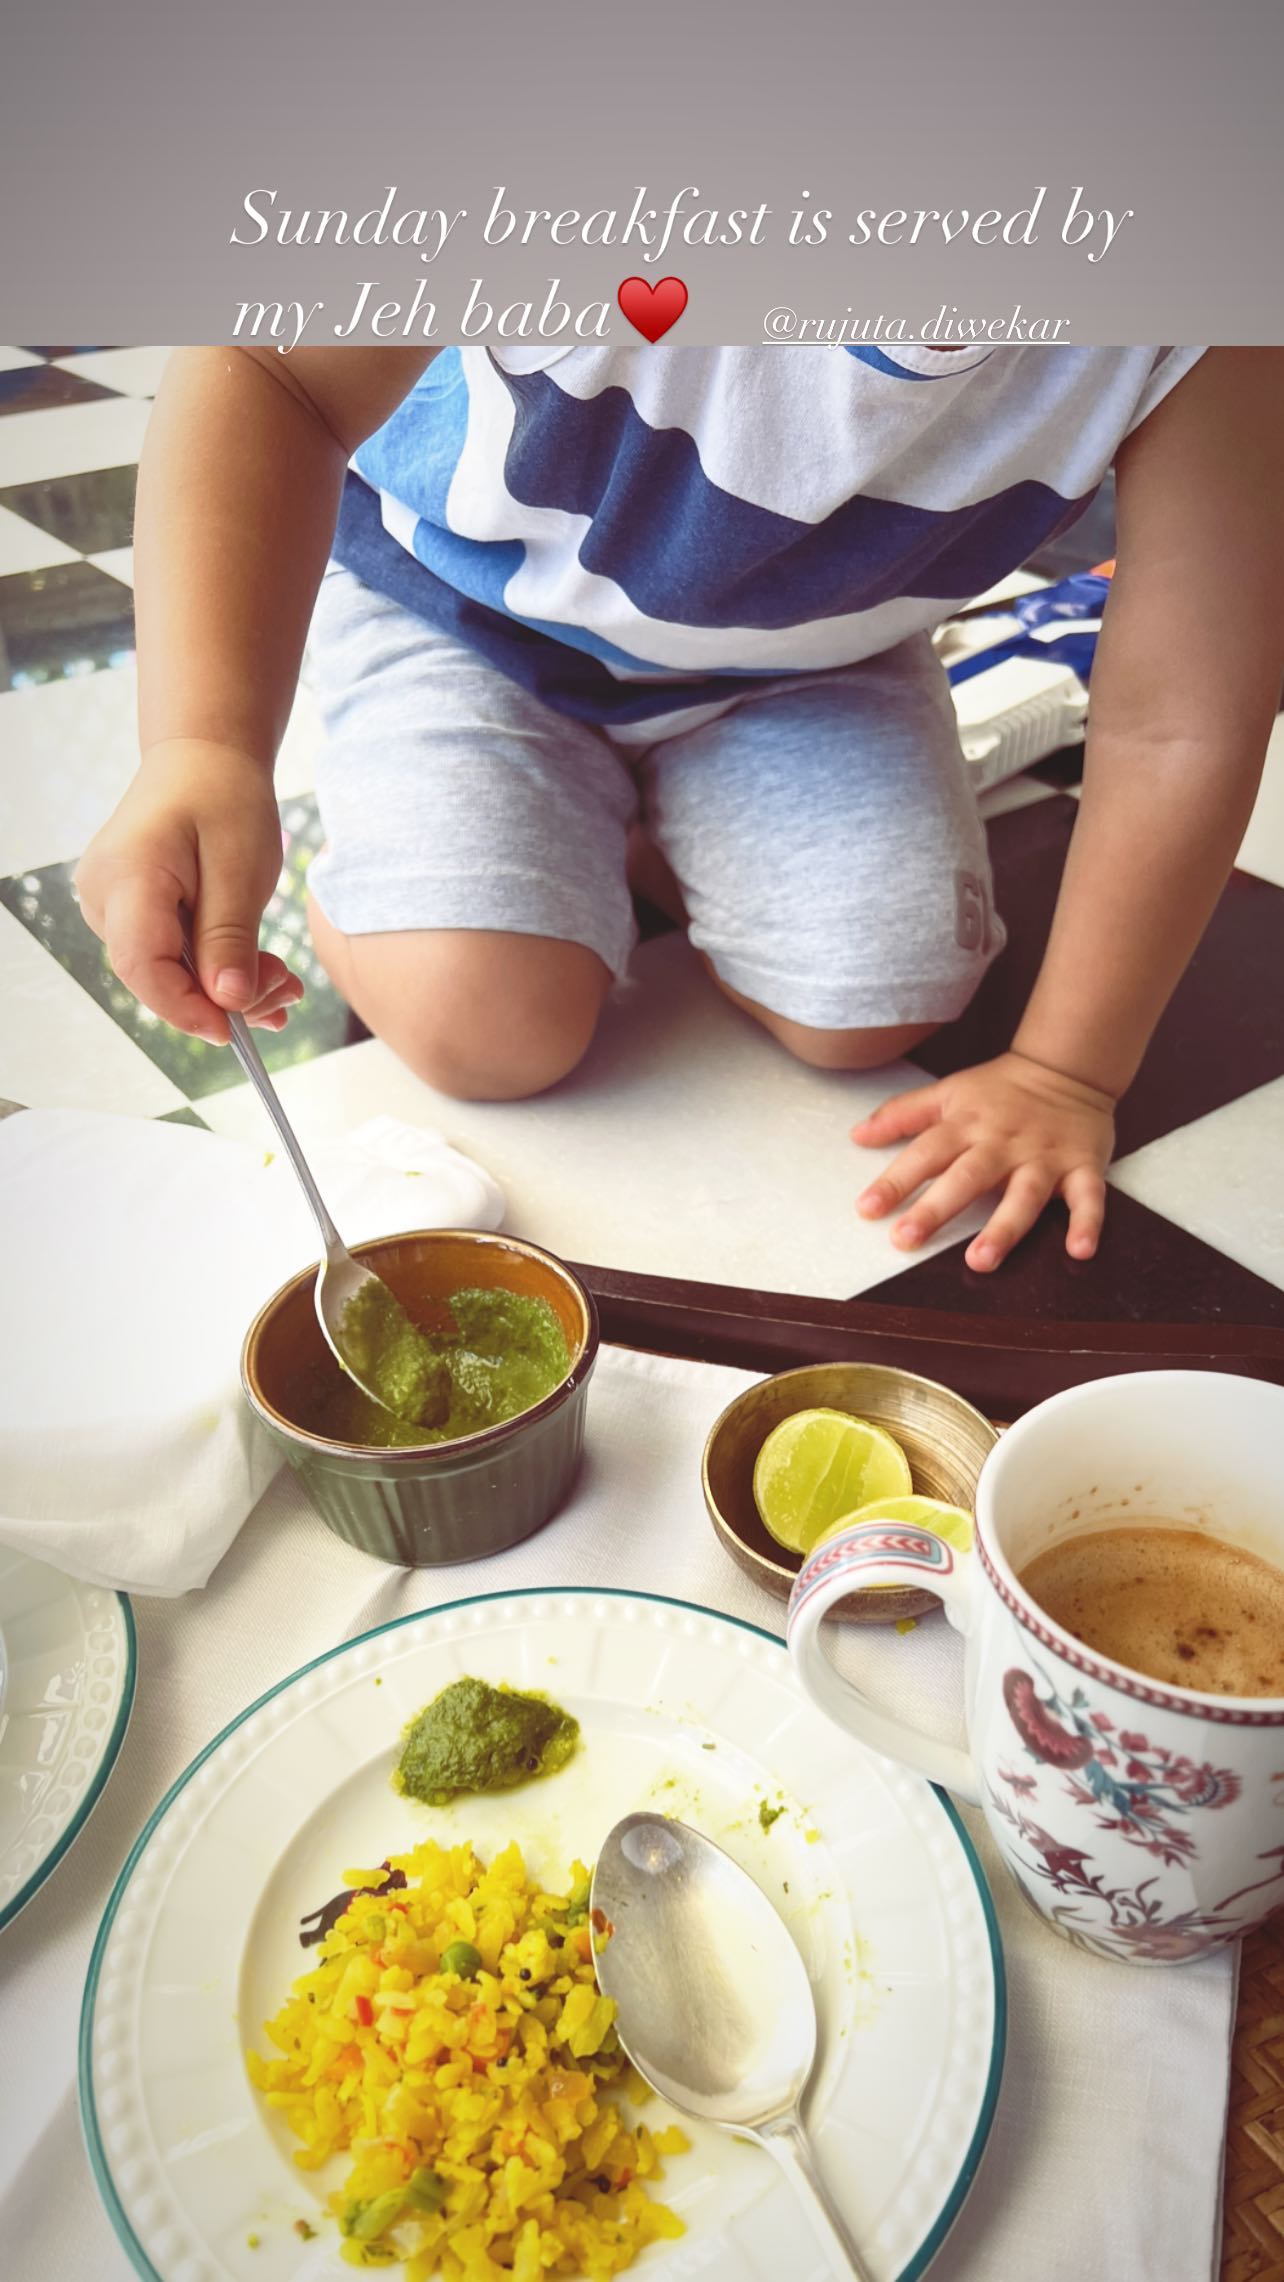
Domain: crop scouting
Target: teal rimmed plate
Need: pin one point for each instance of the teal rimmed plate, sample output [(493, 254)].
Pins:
[(680, 1709), (67, 1668)]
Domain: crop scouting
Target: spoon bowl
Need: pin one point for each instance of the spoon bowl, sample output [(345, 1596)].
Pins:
[(690, 1923), (713, 2003)]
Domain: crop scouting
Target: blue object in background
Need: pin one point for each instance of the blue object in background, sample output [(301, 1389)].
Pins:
[(1078, 598)]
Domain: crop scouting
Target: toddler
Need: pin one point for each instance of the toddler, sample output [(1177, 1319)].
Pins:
[(558, 595)]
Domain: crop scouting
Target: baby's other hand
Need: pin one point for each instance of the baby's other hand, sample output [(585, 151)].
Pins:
[(1009, 1124)]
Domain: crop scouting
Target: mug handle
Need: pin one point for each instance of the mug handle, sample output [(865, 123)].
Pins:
[(880, 1553)]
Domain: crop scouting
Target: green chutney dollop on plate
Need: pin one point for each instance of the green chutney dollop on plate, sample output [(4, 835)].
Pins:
[(474, 1737)]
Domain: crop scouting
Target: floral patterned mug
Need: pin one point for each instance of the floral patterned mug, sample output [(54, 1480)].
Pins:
[(1143, 1821)]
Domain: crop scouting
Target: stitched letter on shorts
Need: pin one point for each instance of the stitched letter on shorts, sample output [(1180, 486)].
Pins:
[(969, 926)]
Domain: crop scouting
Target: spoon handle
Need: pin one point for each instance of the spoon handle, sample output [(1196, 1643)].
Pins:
[(242, 1043), (788, 2142), (251, 1062)]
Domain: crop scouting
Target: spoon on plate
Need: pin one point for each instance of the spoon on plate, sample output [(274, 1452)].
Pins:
[(378, 1324), (713, 2004)]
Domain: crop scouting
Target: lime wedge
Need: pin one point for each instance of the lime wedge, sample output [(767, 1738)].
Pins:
[(951, 1522), (819, 1466)]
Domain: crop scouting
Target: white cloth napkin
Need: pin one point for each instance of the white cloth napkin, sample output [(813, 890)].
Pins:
[(135, 1255), (1105, 2157)]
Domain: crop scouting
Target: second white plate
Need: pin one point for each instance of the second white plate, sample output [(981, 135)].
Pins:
[(68, 1659)]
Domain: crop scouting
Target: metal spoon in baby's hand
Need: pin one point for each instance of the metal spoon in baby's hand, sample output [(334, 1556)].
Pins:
[(365, 1324), (713, 2004)]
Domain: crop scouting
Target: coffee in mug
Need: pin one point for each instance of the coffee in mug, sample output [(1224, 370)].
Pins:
[(1181, 1605)]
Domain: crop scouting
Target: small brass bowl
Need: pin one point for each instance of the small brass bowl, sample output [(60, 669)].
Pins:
[(944, 1439)]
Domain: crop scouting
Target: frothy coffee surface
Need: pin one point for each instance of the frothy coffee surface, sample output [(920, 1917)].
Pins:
[(1171, 1603)]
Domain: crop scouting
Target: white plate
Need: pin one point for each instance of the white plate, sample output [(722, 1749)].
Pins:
[(869, 1868), (67, 1664)]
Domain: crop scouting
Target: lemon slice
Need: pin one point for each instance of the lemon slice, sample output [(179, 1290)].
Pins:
[(820, 1466)]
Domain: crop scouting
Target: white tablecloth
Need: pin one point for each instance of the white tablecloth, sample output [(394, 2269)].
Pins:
[(1105, 2156)]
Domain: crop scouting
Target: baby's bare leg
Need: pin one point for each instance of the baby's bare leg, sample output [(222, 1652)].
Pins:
[(832, 1049), (482, 1015), (470, 901)]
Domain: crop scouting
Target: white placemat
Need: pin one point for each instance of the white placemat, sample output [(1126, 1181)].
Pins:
[(1105, 2156)]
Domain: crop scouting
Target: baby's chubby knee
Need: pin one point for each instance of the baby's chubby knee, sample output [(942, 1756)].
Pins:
[(499, 1062), (479, 1015), (498, 1017)]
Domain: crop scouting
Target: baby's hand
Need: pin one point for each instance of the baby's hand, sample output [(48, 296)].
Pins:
[(1009, 1123), (198, 828)]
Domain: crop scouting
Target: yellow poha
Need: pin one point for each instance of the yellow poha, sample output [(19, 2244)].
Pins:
[(453, 2041)]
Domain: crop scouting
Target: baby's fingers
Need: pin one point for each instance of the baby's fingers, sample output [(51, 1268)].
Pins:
[(279, 991), (966, 1179), (141, 928), (273, 1009), (1085, 1193), (922, 1161), (896, 1120), (1024, 1198)]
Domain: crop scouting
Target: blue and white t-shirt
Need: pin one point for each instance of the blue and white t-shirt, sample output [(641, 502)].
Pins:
[(630, 533)]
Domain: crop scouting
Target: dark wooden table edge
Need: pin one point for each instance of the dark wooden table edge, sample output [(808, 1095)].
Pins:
[(1002, 1364)]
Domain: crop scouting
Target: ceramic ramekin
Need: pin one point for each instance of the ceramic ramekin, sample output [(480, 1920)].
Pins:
[(450, 1501)]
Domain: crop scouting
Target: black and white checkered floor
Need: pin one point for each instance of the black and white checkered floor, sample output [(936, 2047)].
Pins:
[(687, 1144)]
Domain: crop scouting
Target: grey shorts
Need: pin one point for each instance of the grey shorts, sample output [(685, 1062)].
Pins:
[(823, 830)]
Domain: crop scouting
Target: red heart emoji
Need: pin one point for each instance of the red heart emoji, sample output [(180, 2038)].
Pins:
[(652, 309)]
